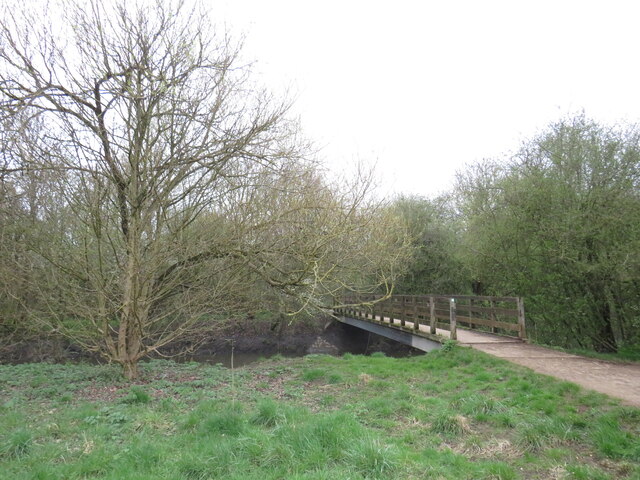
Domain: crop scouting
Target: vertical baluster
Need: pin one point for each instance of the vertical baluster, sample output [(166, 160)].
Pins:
[(452, 320), (492, 304), (522, 333), (432, 314)]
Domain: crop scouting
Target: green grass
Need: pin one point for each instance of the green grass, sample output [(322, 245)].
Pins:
[(625, 354), (456, 414)]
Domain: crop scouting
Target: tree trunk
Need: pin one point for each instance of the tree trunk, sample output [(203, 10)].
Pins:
[(606, 340), (130, 368), (133, 316), (477, 287)]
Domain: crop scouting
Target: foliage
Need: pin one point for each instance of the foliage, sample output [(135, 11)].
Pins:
[(149, 187), (559, 223), (137, 395), (449, 345), (434, 266)]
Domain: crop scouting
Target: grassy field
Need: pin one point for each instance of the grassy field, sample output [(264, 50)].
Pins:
[(455, 414)]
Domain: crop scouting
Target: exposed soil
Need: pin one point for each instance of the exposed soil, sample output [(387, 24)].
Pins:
[(619, 380)]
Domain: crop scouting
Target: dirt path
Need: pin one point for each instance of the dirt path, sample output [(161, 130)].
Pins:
[(619, 380)]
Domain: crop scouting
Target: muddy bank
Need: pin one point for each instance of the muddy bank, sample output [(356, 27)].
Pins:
[(248, 339), (320, 336)]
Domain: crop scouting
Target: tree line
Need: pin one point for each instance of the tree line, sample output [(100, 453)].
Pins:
[(557, 222), (149, 190)]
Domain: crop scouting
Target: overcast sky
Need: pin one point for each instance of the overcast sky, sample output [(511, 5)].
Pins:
[(423, 87)]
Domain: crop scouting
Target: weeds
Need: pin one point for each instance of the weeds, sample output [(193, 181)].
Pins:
[(267, 413), (17, 444), (313, 374), (448, 346), (137, 395), (227, 422), (373, 459), (613, 441), (448, 424), (378, 355)]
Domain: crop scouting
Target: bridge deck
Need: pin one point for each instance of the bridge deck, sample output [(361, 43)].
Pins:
[(475, 337), (465, 337)]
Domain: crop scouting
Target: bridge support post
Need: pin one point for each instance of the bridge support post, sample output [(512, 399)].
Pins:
[(492, 316), (432, 315), (452, 320), (471, 314), (522, 333)]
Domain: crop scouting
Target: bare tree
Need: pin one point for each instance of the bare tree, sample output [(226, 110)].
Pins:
[(178, 184)]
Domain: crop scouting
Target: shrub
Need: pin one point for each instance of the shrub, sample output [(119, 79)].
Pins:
[(137, 395)]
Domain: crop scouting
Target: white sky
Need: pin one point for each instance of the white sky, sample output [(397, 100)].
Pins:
[(422, 87)]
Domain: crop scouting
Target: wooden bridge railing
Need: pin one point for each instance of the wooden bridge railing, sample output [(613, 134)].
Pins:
[(496, 314)]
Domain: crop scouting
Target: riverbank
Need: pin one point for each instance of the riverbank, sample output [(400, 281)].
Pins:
[(244, 340), (451, 414)]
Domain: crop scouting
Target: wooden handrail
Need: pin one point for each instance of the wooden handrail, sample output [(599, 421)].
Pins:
[(504, 314)]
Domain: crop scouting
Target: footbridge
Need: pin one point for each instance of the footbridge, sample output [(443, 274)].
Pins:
[(426, 321)]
